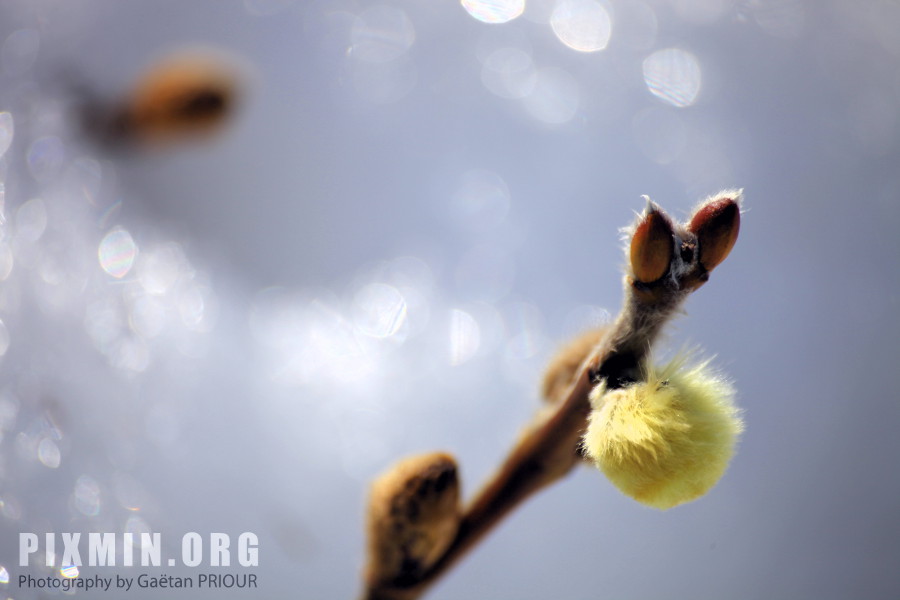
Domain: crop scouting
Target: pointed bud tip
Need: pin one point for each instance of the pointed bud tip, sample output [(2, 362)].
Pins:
[(716, 224), (651, 245)]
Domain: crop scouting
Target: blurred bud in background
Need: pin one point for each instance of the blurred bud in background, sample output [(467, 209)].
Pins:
[(189, 94)]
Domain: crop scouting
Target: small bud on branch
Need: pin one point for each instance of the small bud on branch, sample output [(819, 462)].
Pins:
[(652, 245), (413, 516), (716, 224)]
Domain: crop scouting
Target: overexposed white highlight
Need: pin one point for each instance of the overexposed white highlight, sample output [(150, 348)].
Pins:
[(582, 25), (494, 11)]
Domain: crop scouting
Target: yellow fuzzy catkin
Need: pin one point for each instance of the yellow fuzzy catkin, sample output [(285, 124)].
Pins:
[(666, 440)]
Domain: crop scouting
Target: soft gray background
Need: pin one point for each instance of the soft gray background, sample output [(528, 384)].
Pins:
[(411, 211)]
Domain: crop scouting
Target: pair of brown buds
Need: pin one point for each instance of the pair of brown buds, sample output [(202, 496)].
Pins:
[(662, 249)]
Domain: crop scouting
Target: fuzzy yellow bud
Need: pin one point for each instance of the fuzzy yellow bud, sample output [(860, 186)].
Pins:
[(666, 440)]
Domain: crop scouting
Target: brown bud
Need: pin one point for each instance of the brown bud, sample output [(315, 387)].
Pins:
[(187, 94), (716, 224), (413, 516), (564, 366), (651, 246)]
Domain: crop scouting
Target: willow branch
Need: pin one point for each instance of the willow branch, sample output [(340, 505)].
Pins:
[(678, 258)]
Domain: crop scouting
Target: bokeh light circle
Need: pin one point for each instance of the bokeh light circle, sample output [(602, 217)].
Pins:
[(465, 337), (6, 132), (494, 11), (381, 34), (381, 310), (556, 96), (582, 25), (117, 252), (673, 75), (509, 73)]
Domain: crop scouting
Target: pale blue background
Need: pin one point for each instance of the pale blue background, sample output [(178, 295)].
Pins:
[(273, 412)]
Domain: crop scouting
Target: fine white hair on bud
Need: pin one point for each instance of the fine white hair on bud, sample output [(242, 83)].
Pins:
[(668, 439)]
